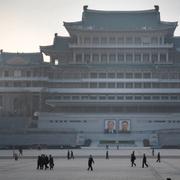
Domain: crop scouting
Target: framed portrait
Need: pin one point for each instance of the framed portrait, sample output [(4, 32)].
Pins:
[(124, 126), (110, 126)]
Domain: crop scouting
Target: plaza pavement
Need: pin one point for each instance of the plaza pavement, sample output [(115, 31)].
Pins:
[(116, 168)]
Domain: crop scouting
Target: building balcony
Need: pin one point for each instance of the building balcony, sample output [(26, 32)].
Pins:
[(57, 102), (22, 89), (104, 80), (121, 46), (115, 90), (24, 78)]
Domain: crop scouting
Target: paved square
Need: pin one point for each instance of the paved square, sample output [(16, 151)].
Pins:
[(116, 168)]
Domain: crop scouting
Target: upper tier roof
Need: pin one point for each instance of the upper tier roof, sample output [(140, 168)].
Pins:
[(120, 20), (21, 58), (60, 44)]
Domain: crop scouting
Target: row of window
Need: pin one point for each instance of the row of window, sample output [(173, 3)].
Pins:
[(84, 121), (22, 84), (119, 75), (115, 85), (121, 58), (164, 121), (22, 73), (118, 97), (121, 40), (66, 121)]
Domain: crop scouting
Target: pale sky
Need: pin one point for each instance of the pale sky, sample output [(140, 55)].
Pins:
[(27, 24)]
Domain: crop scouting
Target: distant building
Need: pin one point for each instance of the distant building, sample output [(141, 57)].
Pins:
[(116, 66)]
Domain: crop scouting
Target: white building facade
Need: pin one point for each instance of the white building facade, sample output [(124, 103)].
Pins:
[(116, 67)]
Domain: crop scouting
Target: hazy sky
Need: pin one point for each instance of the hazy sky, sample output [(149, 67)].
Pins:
[(27, 24)]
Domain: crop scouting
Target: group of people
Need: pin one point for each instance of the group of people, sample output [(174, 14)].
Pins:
[(144, 159), (45, 162), (133, 158)]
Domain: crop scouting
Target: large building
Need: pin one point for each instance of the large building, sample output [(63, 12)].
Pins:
[(114, 80)]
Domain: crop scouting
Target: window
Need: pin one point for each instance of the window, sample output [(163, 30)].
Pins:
[(102, 97), (129, 97), (112, 40), (111, 85), (104, 58), (103, 40), (102, 85), (120, 58), (147, 85), (129, 85), (17, 73), (154, 58), (120, 97), (147, 97), (6, 73), (75, 97), (129, 40), (111, 75), (155, 85), (145, 58), (102, 75), (138, 75), (154, 40), (120, 40), (28, 73), (137, 97), (112, 58), (120, 75), (162, 58), (120, 85), (95, 58), (84, 85), (84, 97), (174, 97), (138, 85), (93, 75), (78, 58), (111, 97), (93, 85), (164, 97), (137, 40), (95, 40), (66, 97), (146, 75), (93, 97), (129, 75), (87, 58), (129, 58), (156, 97), (87, 40), (137, 58)]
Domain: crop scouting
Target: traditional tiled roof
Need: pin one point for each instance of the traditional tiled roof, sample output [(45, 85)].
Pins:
[(60, 44), (120, 20), (21, 58)]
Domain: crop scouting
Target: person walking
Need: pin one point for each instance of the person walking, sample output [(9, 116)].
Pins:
[(152, 151), (51, 162), (133, 158), (107, 155), (144, 161), (90, 161), (38, 162), (68, 155), (72, 155), (158, 157)]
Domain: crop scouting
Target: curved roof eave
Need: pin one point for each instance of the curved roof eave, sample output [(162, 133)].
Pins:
[(120, 30)]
